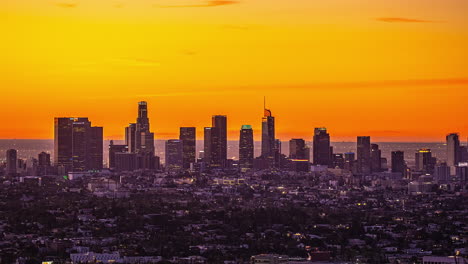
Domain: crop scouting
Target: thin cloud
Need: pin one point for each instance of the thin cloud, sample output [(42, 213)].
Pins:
[(66, 5), (211, 3), (404, 20)]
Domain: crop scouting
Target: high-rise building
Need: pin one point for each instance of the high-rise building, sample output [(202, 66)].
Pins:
[(398, 162), (220, 122), (268, 135), (43, 163), (113, 150), (321, 147), (338, 161), (453, 151), (11, 161), (211, 147), (350, 160), (442, 173), (139, 141), (376, 158), (246, 148), (363, 155), (463, 153), (188, 137), (298, 149), (78, 145), (424, 161), (462, 175), (174, 155)]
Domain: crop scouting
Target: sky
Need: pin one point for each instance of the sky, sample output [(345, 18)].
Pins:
[(393, 70)]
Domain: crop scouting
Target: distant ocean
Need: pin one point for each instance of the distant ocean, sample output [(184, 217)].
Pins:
[(32, 147)]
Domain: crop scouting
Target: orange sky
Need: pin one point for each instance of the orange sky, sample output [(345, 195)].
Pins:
[(395, 70)]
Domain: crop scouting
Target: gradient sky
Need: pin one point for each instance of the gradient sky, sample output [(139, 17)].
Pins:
[(395, 70)]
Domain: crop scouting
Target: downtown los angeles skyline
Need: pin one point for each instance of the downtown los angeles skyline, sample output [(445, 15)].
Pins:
[(395, 71)]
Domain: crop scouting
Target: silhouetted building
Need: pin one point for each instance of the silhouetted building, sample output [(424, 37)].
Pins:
[(130, 137), (462, 175), (363, 155), (144, 141), (442, 173), (376, 158), (125, 161), (321, 147), (398, 162), (268, 135), (350, 160), (211, 147), (338, 161), (113, 150), (463, 153), (298, 149), (11, 161), (246, 148), (188, 137), (44, 166), (78, 146), (453, 151), (424, 161), (220, 122), (174, 155)]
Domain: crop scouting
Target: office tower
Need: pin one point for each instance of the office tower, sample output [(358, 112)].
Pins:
[(43, 162), (11, 161), (453, 151), (188, 137), (144, 141), (130, 137), (246, 148), (462, 175), (338, 161), (220, 122), (349, 159), (376, 158), (140, 141), (211, 147), (125, 161), (298, 149), (442, 173), (383, 164), (363, 155), (269, 147), (424, 161), (463, 153), (113, 150), (321, 147), (78, 145), (398, 162), (174, 155)]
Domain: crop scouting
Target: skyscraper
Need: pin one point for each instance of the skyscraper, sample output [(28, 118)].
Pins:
[(11, 161), (140, 142), (349, 159), (453, 151), (376, 158), (113, 150), (424, 161), (246, 147), (174, 155), (144, 139), (220, 123), (398, 162), (188, 137), (211, 147), (44, 165), (78, 145), (268, 135), (363, 155), (298, 149), (321, 148)]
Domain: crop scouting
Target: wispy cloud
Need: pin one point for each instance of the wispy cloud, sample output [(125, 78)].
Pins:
[(211, 3), (66, 4), (404, 20)]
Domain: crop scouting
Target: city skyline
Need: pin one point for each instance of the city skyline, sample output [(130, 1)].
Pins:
[(320, 63)]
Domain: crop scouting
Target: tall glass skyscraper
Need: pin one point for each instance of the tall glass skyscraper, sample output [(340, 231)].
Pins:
[(246, 147)]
